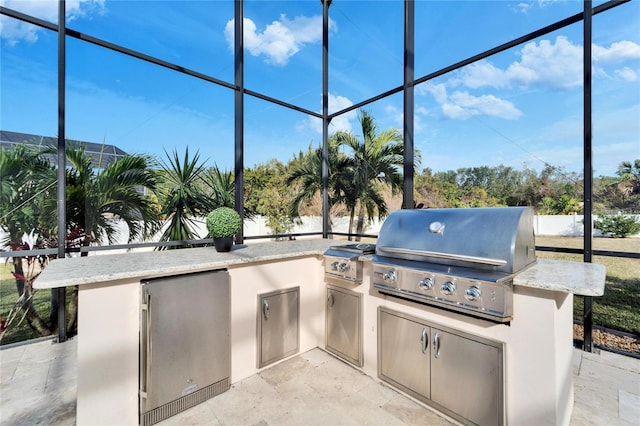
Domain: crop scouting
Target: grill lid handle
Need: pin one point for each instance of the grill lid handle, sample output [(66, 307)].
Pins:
[(440, 255)]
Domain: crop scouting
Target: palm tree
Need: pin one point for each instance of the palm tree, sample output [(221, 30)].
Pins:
[(630, 175), (376, 161), (307, 173), (182, 196), (98, 199)]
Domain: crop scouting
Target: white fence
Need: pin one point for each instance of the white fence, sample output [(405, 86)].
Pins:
[(565, 225), (569, 226)]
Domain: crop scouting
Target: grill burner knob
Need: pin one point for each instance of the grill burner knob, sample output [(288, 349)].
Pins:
[(472, 293), (334, 266), (448, 288), (426, 283), (343, 267), (389, 276)]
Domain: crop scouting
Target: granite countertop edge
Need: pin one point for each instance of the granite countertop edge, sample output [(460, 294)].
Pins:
[(586, 279)]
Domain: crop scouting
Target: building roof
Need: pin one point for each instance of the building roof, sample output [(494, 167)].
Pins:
[(101, 154)]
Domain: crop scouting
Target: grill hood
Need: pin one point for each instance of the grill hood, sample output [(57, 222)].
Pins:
[(498, 239)]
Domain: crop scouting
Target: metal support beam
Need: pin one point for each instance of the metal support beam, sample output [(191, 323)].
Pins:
[(409, 37), (60, 293), (325, 118), (239, 113), (588, 169)]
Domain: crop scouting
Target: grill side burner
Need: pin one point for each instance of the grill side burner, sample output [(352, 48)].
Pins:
[(459, 259), (342, 261)]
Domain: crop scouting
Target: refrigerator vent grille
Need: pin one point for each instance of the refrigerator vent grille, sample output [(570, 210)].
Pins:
[(181, 404)]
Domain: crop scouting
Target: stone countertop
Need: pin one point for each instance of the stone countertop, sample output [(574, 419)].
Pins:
[(585, 279), (139, 265)]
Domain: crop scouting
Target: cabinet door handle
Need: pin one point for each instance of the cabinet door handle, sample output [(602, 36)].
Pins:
[(265, 309), (145, 367), (330, 300), (436, 345), (424, 341)]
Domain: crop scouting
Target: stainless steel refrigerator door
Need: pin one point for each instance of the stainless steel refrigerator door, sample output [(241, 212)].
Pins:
[(185, 338), (278, 325)]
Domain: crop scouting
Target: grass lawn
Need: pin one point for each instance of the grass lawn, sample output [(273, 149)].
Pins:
[(8, 297), (619, 307)]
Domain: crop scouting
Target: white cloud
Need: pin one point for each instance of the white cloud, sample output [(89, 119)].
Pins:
[(339, 123), (616, 53), (555, 65), (281, 39), (525, 6), (461, 105), (14, 31), (343, 121), (627, 74)]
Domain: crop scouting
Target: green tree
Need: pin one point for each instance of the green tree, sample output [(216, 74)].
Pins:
[(99, 198), (267, 194), (376, 161), (630, 172), (306, 176), (221, 184), (182, 196), (24, 183)]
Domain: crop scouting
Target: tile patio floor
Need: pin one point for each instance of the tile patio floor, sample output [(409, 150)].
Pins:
[(38, 386)]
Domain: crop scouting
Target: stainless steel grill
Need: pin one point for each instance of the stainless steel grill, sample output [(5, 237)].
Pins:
[(459, 259)]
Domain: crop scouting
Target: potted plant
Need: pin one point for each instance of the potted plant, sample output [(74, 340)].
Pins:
[(223, 223)]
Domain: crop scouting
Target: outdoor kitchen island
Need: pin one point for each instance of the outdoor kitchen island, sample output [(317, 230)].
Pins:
[(537, 343)]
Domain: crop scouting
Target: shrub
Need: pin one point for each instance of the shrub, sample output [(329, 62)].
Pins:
[(618, 226), (223, 222)]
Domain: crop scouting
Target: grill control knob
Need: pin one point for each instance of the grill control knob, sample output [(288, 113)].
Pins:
[(389, 276), (472, 293), (343, 267), (334, 266), (426, 283), (448, 288)]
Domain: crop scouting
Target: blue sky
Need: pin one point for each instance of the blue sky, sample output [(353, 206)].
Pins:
[(522, 107)]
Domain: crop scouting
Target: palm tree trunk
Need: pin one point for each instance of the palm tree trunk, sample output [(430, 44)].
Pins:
[(352, 214), (72, 313), (72, 308), (360, 225)]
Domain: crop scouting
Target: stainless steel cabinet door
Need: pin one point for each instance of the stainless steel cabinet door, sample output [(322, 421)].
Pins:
[(403, 353), (466, 377), (278, 325), (343, 324)]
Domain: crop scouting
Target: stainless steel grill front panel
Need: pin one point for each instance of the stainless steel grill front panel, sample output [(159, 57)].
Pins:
[(494, 298), (459, 259)]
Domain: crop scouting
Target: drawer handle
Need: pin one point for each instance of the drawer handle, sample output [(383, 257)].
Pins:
[(265, 309), (330, 300)]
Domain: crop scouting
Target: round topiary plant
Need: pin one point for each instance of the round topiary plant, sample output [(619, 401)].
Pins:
[(223, 222)]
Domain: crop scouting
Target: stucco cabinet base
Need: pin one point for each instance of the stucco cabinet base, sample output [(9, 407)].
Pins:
[(537, 343), (109, 323)]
